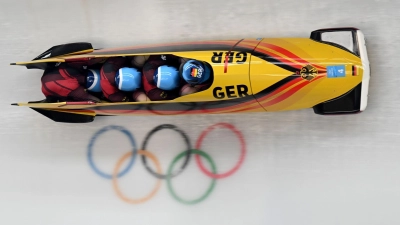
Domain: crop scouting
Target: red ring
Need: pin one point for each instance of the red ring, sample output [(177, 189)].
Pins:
[(242, 151)]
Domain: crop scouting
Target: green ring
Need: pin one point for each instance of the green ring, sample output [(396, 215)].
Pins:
[(171, 167)]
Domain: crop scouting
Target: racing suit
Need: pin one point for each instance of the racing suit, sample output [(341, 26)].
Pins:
[(65, 83)]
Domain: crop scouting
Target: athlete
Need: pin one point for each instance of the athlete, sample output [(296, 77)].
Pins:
[(197, 74), (160, 78), (119, 80), (66, 83)]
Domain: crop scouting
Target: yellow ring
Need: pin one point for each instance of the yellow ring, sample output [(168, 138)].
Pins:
[(115, 176)]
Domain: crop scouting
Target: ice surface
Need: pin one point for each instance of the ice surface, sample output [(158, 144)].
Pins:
[(299, 168)]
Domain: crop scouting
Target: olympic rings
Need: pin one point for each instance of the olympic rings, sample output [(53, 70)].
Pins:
[(170, 174), (117, 167), (208, 192), (242, 151), (186, 139), (90, 150)]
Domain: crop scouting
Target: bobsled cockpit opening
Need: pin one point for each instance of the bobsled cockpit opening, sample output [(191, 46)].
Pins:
[(155, 78)]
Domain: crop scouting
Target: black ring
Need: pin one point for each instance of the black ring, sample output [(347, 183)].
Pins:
[(186, 139)]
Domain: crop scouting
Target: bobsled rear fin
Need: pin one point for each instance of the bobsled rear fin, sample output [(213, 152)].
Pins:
[(47, 58), (65, 117), (66, 49), (344, 38), (38, 64)]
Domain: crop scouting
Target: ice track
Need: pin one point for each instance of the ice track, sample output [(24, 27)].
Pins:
[(274, 168)]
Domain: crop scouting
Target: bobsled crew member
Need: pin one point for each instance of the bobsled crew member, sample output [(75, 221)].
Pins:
[(161, 80), (119, 80), (66, 83), (197, 75)]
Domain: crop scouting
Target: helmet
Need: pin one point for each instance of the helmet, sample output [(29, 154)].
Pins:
[(93, 81), (166, 77), (195, 72), (128, 79)]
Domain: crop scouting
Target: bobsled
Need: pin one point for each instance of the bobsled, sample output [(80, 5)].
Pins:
[(327, 72)]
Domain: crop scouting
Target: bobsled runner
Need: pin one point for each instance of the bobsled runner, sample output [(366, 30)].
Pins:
[(328, 71)]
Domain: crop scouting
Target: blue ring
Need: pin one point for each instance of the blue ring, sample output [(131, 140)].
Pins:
[(90, 150)]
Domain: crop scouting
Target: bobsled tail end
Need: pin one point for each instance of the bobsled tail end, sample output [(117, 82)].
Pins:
[(65, 117), (367, 70)]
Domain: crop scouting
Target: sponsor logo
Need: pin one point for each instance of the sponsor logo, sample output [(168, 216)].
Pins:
[(163, 95), (336, 71)]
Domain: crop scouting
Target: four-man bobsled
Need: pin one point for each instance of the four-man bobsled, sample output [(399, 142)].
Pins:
[(328, 72)]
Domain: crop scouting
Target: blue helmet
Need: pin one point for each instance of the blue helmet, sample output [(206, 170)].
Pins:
[(195, 72), (93, 81), (128, 79), (166, 78)]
